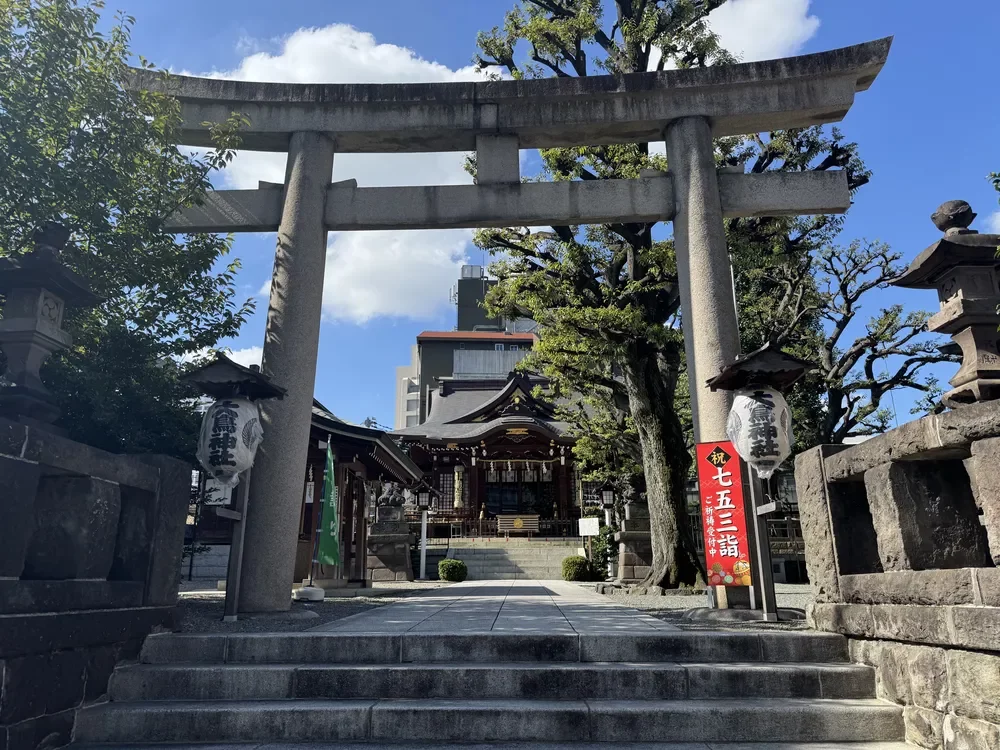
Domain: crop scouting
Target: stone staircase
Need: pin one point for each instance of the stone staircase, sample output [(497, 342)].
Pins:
[(434, 556), (704, 687), (514, 559)]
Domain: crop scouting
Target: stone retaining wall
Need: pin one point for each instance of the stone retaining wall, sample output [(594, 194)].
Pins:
[(211, 564), (90, 547), (902, 536)]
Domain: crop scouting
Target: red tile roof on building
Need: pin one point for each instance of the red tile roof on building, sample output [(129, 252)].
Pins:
[(475, 336)]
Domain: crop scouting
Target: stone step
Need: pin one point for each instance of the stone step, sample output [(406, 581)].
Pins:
[(528, 746), (742, 720), (566, 549), (516, 541), (544, 681), (510, 567), (490, 554), (513, 577), (374, 648)]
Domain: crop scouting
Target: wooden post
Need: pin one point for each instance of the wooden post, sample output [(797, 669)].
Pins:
[(345, 510), (358, 522)]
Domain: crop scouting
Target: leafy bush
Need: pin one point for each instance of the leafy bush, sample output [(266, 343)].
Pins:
[(604, 550), (576, 568), (452, 570)]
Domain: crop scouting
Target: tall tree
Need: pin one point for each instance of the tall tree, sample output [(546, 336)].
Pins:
[(893, 352), (76, 146), (606, 296)]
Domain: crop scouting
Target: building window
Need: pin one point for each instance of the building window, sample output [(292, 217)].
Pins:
[(514, 347), (412, 404), (498, 347), (411, 420), (412, 387)]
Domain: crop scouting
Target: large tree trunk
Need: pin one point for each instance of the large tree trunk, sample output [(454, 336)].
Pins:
[(649, 382)]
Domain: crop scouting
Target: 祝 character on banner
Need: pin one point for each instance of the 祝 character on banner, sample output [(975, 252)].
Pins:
[(230, 434), (760, 428)]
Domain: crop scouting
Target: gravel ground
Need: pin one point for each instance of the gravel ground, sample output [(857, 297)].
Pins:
[(199, 609)]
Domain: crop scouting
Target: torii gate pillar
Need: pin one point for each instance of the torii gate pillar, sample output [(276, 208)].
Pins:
[(291, 344), (708, 305)]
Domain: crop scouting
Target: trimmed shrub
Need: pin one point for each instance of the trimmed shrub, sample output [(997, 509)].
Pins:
[(452, 570), (576, 568)]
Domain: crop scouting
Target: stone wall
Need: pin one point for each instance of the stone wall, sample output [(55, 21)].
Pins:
[(90, 549), (902, 538), (211, 564)]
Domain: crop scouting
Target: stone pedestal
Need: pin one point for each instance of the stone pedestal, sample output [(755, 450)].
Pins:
[(90, 548), (389, 541), (291, 343), (925, 516), (18, 487), (635, 549), (983, 468), (76, 525)]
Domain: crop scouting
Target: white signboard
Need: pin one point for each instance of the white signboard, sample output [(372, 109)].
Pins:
[(590, 526), (216, 493)]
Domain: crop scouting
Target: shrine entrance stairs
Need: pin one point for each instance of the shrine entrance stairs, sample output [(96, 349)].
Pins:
[(520, 664)]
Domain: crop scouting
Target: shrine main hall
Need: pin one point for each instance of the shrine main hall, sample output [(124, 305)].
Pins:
[(494, 450)]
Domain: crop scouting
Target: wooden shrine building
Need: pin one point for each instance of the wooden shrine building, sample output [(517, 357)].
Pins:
[(497, 455), (363, 459)]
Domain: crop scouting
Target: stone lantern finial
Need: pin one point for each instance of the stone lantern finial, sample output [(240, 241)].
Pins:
[(37, 288), (963, 267), (953, 217)]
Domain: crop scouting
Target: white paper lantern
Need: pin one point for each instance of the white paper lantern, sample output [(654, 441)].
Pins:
[(230, 434), (760, 428)]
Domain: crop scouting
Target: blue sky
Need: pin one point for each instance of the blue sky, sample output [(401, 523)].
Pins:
[(928, 129)]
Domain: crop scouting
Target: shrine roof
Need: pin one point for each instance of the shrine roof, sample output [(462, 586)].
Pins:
[(477, 336), (380, 447), (471, 409)]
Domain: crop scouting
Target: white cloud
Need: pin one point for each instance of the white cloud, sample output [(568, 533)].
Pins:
[(758, 29), (763, 29), (992, 223), (252, 355), (409, 275), (368, 274), (755, 30)]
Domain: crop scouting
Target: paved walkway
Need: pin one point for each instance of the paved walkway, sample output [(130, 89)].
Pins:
[(502, 606)]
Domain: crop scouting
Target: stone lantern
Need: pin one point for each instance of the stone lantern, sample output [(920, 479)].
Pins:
[(37, 288), (962, 266)]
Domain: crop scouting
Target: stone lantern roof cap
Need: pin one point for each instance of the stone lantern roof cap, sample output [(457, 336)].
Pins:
[(768, 366), (41, 268), (960, 247), (223, 378)]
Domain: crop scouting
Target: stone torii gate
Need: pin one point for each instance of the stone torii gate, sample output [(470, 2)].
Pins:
[(312, 122)]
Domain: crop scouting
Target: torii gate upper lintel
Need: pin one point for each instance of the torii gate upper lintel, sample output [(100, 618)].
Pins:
[(686, 108)]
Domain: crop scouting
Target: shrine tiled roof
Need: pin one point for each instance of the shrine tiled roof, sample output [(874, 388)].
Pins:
[(469, 410)]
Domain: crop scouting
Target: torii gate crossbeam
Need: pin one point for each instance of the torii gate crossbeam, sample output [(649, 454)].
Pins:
[(687, 108)]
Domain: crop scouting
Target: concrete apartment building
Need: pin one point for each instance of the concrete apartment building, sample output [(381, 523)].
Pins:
[(480, 348)]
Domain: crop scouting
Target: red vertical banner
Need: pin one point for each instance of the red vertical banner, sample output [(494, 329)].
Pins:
[(720, 486)]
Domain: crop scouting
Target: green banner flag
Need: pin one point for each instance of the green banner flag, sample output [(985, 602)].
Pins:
[(329, 533)]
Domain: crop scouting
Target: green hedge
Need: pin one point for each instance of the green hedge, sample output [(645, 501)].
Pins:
[(452, 570), (576, 568)]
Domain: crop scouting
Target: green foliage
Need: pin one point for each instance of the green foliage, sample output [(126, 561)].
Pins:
[(455, 571), (577, 568), (76, 146), (603, 549)]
